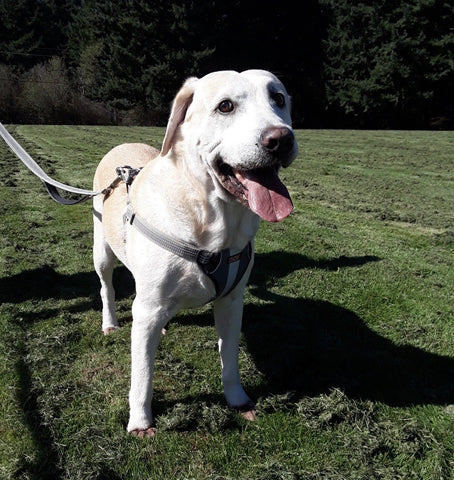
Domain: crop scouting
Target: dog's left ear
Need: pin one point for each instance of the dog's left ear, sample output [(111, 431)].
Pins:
[(179, 107)]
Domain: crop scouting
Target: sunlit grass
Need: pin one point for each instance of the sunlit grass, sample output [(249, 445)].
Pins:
[(348, 335)]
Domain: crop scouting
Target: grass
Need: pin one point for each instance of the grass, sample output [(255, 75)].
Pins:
[(348, 336)]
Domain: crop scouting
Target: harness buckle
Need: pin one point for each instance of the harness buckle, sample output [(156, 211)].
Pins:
[(129, 215), (127, 174), (209, 261)]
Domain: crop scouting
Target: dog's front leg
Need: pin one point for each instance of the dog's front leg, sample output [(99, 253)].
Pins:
[(145, 336), (228, 313)]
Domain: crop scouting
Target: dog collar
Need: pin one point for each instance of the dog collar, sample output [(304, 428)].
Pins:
[(224, 268)]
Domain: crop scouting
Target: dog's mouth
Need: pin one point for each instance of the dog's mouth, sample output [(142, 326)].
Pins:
[(259, 189)]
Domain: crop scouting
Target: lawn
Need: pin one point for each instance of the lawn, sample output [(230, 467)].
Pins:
[(348, 332)]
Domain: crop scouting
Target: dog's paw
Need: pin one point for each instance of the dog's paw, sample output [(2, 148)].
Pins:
[(109, 330), (249, 415), (145, 432), (247, 411)]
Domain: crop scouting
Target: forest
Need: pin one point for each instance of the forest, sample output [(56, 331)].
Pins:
[(380, 64)]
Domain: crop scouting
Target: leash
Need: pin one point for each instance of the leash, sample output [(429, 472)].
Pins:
[(223, 268), (50, 184)]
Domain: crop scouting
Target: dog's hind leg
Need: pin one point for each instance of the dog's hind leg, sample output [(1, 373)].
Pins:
[(104, 261)]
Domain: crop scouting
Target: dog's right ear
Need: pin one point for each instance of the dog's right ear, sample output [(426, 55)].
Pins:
[(179, 107)]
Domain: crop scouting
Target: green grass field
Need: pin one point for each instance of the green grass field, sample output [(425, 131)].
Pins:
[(348, 332)]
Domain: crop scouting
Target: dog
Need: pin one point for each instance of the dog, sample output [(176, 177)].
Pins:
[(215, 176)]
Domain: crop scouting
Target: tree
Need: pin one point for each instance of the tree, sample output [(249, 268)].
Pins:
[(135, 53), (46, 92), (384, 61), (358, 64), (283, 38), (9, 92), (19, 39), (33, 31), (138, 53)]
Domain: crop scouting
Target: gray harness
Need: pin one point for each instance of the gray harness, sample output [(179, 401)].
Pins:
[(223, 268)]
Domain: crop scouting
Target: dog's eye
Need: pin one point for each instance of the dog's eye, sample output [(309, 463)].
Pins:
[(279, 99), (226, 106)]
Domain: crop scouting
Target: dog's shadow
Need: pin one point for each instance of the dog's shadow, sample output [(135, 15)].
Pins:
[(309, 347), (44, 282), (299, 345)]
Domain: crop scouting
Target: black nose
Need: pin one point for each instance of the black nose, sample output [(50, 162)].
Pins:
[(278, 140)]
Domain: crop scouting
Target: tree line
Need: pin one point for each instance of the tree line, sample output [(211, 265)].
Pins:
[(382, 64)]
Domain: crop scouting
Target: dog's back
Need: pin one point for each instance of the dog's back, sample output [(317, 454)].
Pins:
[(111, 207)]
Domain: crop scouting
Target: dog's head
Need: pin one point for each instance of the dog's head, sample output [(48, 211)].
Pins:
[(239, 125)]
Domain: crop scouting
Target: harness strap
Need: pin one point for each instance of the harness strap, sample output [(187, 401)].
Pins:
[(229, 270), (224, 270), (178, 247)]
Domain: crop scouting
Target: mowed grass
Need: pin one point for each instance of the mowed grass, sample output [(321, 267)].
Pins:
[(348, 332)]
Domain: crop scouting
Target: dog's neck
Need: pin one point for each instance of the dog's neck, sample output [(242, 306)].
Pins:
[(171, 197)]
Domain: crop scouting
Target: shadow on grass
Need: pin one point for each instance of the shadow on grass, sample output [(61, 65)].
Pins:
[(309, 347), (302, 346), (46, 463), (45, 283)]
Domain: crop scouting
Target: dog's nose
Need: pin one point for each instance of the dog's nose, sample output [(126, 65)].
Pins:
[(278, 140)]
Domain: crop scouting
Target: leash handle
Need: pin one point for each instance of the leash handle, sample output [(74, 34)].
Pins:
[(50, 184)]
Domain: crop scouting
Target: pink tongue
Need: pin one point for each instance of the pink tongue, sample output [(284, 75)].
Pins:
[(267, 195)]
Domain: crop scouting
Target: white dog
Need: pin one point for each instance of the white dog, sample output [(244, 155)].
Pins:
[(185, 226)]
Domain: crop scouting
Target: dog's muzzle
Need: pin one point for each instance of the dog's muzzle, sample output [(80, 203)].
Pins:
[(258, 186), (279, 142)]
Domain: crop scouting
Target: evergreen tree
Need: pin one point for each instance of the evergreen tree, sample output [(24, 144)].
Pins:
[(283, 38), (385, 61), (19, 37), (366, 64), (135, 53), (33, 31)]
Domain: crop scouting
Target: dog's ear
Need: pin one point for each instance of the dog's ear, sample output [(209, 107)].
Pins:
[(179, 107)]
